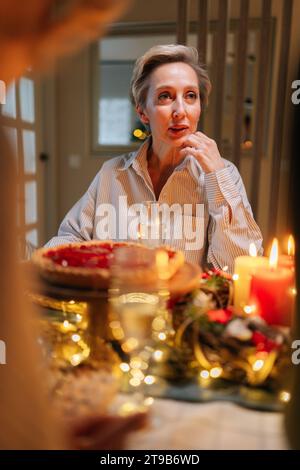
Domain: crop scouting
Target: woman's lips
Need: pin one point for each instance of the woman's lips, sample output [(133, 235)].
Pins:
[(178, 131)]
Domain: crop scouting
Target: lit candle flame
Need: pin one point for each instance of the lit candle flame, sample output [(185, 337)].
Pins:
[(291, 246), (252, 250), (273, 259)]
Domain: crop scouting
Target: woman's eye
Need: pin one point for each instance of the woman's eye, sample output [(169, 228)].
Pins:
[(191, 95), (164, 97)]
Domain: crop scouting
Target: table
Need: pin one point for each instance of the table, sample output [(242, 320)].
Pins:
[(209, 426), (182, 425)]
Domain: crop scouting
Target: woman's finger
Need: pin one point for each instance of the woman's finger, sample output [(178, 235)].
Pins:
[(203, 136), (199, 154), (193, 141)]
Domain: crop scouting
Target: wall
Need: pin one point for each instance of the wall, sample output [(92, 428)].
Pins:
[(284, 209)]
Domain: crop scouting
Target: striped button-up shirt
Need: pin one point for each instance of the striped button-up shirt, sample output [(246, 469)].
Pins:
[(217, 206)]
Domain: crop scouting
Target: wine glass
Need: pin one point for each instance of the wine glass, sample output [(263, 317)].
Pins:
[(152, 227), (135, 306)]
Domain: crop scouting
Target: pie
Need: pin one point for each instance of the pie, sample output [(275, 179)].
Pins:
[(88, 264)]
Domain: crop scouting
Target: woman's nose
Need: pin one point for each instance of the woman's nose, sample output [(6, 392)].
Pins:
[(178, 108)]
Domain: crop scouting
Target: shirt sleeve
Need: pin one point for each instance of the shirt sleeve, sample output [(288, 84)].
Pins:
[(78, 224), (231, 224)]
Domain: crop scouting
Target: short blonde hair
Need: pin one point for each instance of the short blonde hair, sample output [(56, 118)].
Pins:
[(165, 54)]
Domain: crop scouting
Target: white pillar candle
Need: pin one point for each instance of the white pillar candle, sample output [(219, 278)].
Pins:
[(244, 267)]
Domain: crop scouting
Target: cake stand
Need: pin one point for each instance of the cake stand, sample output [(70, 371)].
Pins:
[(96, 311)]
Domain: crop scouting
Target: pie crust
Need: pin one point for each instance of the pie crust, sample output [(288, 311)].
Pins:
[(87, 264)]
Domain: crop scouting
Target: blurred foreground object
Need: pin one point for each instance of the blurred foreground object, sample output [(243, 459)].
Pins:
[(33, 34)]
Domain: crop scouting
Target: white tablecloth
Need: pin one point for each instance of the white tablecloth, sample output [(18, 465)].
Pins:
[(217, 425)]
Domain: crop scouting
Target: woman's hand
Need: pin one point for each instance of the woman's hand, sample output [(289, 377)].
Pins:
[(205, 150), (103, 432)]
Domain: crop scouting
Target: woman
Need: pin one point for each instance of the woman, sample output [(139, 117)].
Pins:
[(31, 35), (176, 165)]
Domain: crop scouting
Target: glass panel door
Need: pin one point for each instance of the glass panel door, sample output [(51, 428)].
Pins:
[(18, 117)]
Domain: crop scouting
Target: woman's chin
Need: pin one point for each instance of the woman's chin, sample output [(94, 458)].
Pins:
[(177, 143), (178, 139)]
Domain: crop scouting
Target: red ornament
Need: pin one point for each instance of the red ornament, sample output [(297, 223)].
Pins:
[(263, 343), (204, 276), (222, 315)]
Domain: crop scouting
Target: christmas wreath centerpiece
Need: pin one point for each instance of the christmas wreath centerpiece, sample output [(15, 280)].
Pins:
[(217, 341)]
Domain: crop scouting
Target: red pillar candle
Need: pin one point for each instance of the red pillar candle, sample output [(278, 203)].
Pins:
[(272, 293), (288, 261)]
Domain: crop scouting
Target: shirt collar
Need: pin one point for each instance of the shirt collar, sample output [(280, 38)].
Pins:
[(138, 161), (138, 158)]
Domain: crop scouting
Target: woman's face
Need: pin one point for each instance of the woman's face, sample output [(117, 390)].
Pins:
[(172, 106)]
